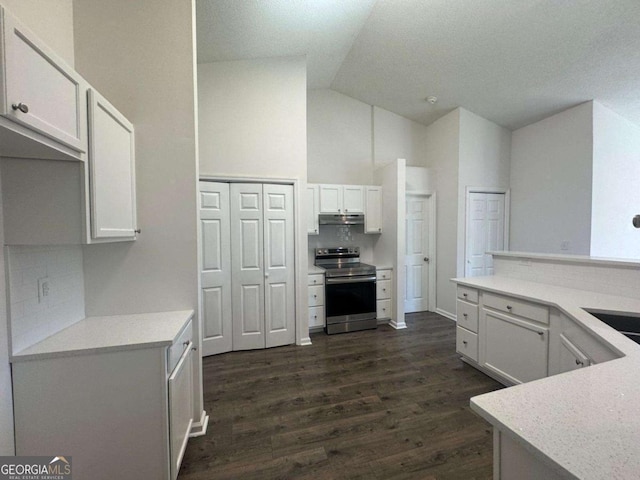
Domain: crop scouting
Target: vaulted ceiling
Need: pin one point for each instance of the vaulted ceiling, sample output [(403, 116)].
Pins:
[(511, 61)]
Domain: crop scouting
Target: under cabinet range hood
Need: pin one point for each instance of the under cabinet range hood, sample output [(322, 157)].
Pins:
[(338, 219)]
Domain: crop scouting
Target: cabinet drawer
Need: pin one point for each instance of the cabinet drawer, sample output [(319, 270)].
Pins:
[(383, 308), (521, 308), (467, 343), (178, 347), (467, 315), (316, 316), (383, 289), (316, 295), (383, 275), (316, 279), (468, 294)]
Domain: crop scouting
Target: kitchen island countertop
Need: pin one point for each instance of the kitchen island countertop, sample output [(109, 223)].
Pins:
[(582, 423)]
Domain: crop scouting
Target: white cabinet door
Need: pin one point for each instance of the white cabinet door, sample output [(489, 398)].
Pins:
[(215, 268), (279, 271), (571, 358), (512, 348), (373, 211), (112, 171), (41, 91), (312, 208), (247, 266), (180, 408), (330, 198), (353, 199)]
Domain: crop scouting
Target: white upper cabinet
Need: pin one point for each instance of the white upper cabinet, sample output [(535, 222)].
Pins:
[(112, 171), (373, 210), (42, 99), (313, 206), (330, 198), (353, 199), (341, 199)]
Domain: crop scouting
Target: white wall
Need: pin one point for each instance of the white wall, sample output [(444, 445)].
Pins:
[(420, 179), (616, 193), (484, 161), (140, 56), (397, 137), (252, 118), (389, 248), (52, 21), (442, 154), (551, 183), (252, 123), (339, 139)]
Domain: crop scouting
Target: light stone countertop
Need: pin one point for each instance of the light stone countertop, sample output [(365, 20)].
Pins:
[(112, 333), (313, 269), (583, 423)]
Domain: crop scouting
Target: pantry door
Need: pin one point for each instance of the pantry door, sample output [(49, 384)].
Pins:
[(215, 268), (247, 266), (485, 231), (417, 259), (279, 274)]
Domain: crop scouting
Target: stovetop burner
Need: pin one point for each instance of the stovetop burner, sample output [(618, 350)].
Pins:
[(342, 262)]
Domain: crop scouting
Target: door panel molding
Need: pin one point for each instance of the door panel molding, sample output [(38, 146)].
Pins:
[(465, 237)]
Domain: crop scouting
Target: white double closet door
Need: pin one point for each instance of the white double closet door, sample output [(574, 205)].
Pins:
[(247, 266)]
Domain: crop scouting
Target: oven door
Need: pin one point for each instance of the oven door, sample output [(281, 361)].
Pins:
[(350, 298)]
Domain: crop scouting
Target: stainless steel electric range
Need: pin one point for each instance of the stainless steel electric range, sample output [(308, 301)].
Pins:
[(350, 290)]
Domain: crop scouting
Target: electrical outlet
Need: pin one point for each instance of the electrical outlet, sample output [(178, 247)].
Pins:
[(43, 289), (565, 244)]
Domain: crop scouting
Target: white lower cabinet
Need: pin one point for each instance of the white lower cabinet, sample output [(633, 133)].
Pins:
[(384, 300), (316, 300), (467, 343), (123, 414), (513, 348)]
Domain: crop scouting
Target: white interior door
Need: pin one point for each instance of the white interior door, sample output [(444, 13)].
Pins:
[(485, 231), (417, 254), (215, 268), (247, 272), (279, 271)]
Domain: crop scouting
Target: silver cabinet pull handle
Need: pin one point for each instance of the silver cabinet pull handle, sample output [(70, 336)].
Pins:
[(465, 342), (20, 106), (464, 315), (578, 362), (509, 307), (541, 333), (137, 230)]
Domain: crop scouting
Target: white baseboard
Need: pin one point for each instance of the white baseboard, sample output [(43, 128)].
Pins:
[(199, 429), (397, 325), (444, 313), (305, 341)]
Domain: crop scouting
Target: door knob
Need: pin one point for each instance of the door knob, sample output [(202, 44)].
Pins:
[(20, 106), (426, 259)]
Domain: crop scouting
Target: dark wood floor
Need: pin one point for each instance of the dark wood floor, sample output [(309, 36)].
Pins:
[(377, 404)]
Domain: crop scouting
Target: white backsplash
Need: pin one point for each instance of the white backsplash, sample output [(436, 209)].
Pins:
[(604, 278), (343, 236), (32, 320)]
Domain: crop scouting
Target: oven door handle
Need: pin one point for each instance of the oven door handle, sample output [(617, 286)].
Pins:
[(336, 280)]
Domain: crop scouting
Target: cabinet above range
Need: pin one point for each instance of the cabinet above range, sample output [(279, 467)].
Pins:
[(360, 200), (49, 112)]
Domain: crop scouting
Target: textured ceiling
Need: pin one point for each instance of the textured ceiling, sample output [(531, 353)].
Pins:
[(511, 61)]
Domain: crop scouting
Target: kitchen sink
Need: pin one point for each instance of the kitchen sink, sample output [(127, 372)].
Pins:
[(628, 325)]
